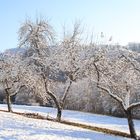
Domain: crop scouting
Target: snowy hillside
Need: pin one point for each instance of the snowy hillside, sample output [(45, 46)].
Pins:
[(15, 127), (18, 127)]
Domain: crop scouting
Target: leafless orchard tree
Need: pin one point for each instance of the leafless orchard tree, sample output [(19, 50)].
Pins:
[(37, 37), (120, 78), (9, 77)]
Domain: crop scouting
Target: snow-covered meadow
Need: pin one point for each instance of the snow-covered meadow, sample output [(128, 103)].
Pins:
[(17, 127)]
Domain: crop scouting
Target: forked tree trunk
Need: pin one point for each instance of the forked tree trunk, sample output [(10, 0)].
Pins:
[(58, 106), (131, 124), (8, 98)]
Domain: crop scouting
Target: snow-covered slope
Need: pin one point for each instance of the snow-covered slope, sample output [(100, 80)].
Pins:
[(18, 127), (15, 127), (103, 121)]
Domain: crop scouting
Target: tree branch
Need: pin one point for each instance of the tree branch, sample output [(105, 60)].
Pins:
[(133, 105), (65, 94), (107, 90)]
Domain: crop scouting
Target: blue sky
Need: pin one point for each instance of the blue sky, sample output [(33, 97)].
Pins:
[(117, 18)]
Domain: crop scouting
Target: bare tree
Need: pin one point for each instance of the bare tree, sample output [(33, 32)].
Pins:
[(37, 37), (9, 77), (68, 58), (120, 78)]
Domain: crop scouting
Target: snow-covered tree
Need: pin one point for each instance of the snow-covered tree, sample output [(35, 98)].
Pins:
[(36, 36), (118, 75), (9, 77)]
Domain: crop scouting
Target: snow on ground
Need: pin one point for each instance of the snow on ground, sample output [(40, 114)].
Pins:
[(16, 127), (103, 121)]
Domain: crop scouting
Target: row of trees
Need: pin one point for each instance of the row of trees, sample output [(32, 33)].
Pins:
[(114, 70)]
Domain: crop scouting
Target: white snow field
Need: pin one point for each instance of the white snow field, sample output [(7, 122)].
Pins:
[(16, 127)]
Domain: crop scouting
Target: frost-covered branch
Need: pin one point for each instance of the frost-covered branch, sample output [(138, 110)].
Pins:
[(133, 105)]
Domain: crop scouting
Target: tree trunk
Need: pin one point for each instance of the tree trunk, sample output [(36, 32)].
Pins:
[(131, 124), (8, 98), (59, 109), (58, 106), (57, 103), (59, 114)]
